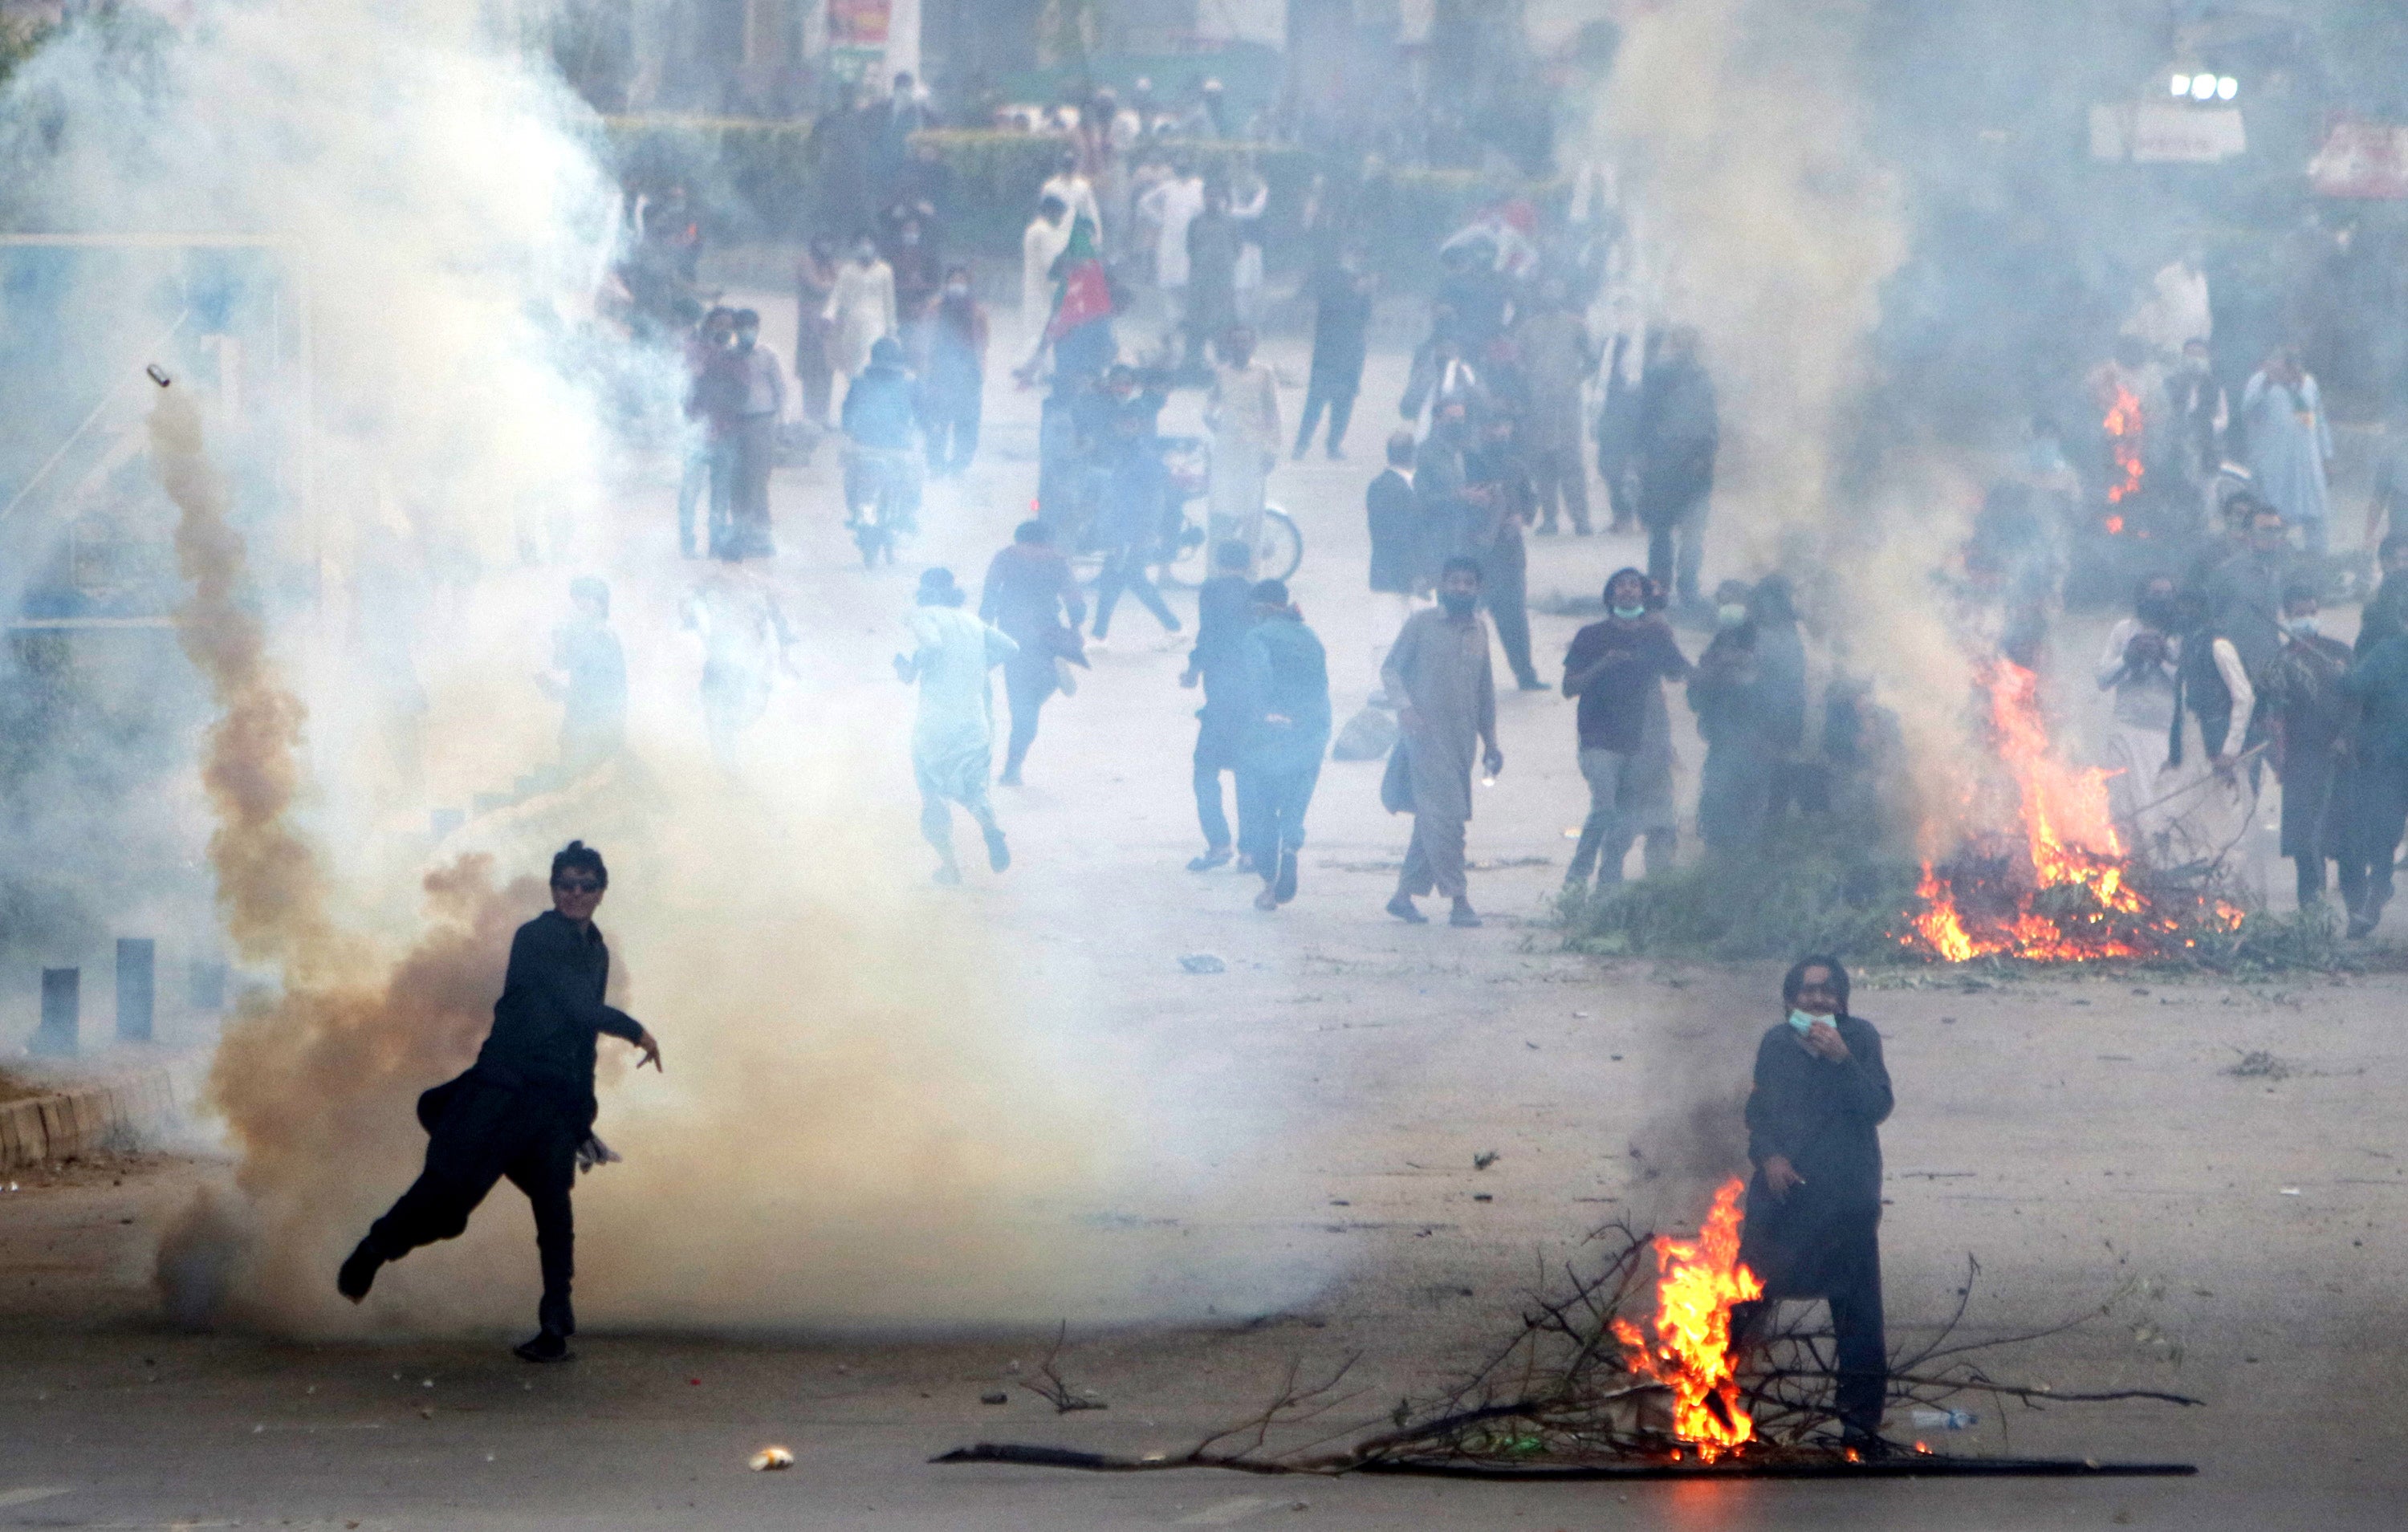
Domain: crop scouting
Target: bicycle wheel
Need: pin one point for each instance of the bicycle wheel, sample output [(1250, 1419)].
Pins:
[(1279, 546)]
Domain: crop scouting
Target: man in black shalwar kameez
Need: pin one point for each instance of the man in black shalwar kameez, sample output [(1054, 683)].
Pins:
[(526, 1109), (1813, 1209)]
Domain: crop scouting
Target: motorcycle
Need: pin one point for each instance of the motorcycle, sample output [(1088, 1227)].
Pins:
[(881, 498), (1180, 558)]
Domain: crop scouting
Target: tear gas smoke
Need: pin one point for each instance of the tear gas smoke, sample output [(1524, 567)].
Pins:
[(1766, 220), (1770, 224), (271, 889), (865, 1119)]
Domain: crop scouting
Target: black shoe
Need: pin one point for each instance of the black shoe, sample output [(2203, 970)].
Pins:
[(1214, 856), (2361, 926), (1533, 684), (358, 1273), (1402, 907), (545, 1346), (1010, 777), (1464, 916), (998, 854), (1283, 886)]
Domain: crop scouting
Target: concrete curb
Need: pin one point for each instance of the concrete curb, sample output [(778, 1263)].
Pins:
[(43, 1128)]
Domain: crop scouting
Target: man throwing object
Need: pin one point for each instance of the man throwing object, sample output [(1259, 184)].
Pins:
[(526, 1109)]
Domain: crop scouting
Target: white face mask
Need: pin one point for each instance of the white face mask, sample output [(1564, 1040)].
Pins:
[(2300, 627)]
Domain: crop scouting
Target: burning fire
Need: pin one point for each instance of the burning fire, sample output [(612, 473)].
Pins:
[(2123, 426), (2079, 902), (1697, 1282)]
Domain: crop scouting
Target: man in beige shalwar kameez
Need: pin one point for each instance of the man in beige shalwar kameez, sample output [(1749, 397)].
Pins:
[(1439, 672)]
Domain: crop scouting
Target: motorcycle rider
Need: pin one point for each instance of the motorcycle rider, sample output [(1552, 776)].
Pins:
[(881, 469)]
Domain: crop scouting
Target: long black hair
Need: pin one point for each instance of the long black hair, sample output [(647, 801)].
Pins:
[(1795, 980)]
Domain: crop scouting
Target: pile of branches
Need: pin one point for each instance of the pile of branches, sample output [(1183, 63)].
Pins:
[(1561, 1394), (2188, 920)]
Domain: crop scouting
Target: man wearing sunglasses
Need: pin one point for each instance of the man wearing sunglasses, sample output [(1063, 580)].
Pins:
[(526, 1109)]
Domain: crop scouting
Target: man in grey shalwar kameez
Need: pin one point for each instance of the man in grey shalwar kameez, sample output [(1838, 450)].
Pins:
[(2289, 444), (1438, 673), (952, 745)]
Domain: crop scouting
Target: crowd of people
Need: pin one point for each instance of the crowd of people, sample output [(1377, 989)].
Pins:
[(2219, 677), (1532, 370)]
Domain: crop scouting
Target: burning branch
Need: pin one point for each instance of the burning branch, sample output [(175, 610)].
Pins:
[(1574, 1393), (2061, 887)]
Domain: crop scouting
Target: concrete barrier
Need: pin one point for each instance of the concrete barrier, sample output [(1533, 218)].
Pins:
[(81, 1120)]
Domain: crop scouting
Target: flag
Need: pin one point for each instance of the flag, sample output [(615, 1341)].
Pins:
[(1083, 294)]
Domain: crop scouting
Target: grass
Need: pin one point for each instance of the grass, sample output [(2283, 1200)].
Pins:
[(1809, 888), (1818, 887)]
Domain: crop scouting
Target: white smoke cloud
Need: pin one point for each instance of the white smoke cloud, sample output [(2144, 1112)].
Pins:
[(866, 1116)]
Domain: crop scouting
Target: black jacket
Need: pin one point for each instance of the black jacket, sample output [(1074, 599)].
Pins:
[(1824, 1117), (551, 1010), (1391, 515)]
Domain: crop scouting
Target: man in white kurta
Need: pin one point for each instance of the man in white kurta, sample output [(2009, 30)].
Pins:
[(861, 311), (1042, 244), (953, 744)]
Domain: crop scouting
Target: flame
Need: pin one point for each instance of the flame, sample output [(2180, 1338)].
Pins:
[(1697, 1282), (2123, 426), (2068, 838)]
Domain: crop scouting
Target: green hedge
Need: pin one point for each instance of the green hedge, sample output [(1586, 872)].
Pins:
[(755, 180)]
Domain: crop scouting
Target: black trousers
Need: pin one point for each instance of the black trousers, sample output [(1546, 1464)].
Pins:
[(486, 1131), (1504, 595), (1124, 570), (1337, 397), (1028, 682), (1842, 1269), (2378, 815)]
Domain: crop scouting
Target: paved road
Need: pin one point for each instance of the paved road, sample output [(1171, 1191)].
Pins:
[(1272, 1162)]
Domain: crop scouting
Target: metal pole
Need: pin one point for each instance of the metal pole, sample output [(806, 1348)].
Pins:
[(137, 977), (61, 1000)]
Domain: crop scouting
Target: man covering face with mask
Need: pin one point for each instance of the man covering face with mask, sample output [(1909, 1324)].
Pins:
[(1615, 670), (1813, 1208), (760, 399)]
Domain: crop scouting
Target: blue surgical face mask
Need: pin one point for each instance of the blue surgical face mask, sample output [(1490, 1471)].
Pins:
[(1805, 1023), (1630, 614), (2300, 627), (1730, 614)]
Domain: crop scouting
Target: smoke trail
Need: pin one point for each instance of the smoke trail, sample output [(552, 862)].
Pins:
[(868, 1115), (271, 888), (1771, 225), (863, 1087)]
